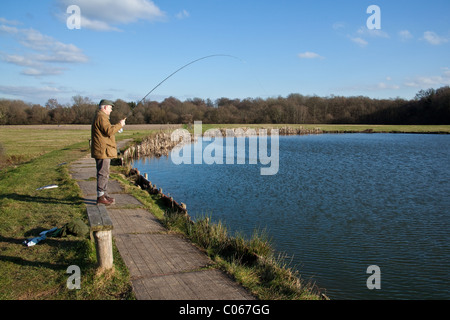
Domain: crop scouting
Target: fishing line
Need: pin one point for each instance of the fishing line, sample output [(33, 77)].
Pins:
[(188, 64)]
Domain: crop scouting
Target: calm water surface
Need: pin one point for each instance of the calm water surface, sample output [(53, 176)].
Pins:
[(339, 203)]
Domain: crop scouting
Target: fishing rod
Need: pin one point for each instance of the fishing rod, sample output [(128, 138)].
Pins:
[(179, 69), (188, 64)]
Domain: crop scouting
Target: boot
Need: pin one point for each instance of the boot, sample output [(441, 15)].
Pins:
[(113, 201), (104, 200)]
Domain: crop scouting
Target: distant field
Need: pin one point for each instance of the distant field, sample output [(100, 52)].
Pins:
[(19, 144), (345, 127), (385, 128)]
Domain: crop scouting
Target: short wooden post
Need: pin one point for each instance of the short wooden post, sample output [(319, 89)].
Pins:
[(103, 243), (101, 227)]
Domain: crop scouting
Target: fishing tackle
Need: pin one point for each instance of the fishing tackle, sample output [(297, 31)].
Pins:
[(206, 57)]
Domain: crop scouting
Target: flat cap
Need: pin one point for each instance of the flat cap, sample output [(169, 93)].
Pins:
[(105, 102)]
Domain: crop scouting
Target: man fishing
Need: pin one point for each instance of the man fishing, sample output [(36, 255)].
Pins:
[(103, 148)]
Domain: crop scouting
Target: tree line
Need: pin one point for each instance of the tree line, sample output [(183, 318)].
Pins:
[(430, 106)]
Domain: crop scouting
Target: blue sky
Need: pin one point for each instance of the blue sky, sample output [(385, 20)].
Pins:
[(125, 48)]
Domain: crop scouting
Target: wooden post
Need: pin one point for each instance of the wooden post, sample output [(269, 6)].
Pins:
[(101, 227), (103, 243)]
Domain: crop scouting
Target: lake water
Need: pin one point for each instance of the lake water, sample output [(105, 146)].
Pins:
[(338, 204)]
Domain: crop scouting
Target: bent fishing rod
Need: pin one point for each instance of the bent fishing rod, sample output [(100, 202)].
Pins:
[(188, 64), (179, 69)]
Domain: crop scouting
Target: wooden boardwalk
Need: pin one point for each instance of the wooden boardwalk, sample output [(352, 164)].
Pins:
[(162, 266)]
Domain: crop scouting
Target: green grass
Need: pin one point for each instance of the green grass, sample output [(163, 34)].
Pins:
[(39, 272), (20, 144)]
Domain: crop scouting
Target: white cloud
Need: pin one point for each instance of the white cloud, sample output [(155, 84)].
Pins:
[(104, 15), (380, 86), (373, 33), (42, 70), (384, 86), (309, 55), (40, 52), (338, 25), (8, 30), (418, 82), (34, 67), (97, 25), (11, 22), (446, 72), (28, 92), (430, 81), (405, 35), (182, 14), (17, 60), (51, 49), (361, 35), (434, 39), (359, 41)]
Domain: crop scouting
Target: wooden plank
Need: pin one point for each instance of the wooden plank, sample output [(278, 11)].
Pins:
[(106, 220), (99, 219), (93, 216)]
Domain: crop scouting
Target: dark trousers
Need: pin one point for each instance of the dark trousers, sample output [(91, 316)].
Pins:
[(102, 175)]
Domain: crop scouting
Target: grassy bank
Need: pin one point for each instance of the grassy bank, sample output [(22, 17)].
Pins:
[(250, 261)]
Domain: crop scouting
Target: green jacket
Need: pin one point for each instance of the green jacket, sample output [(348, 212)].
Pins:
[(103, 140)]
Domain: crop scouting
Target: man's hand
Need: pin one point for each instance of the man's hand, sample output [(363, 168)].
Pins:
[(122, 122)]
